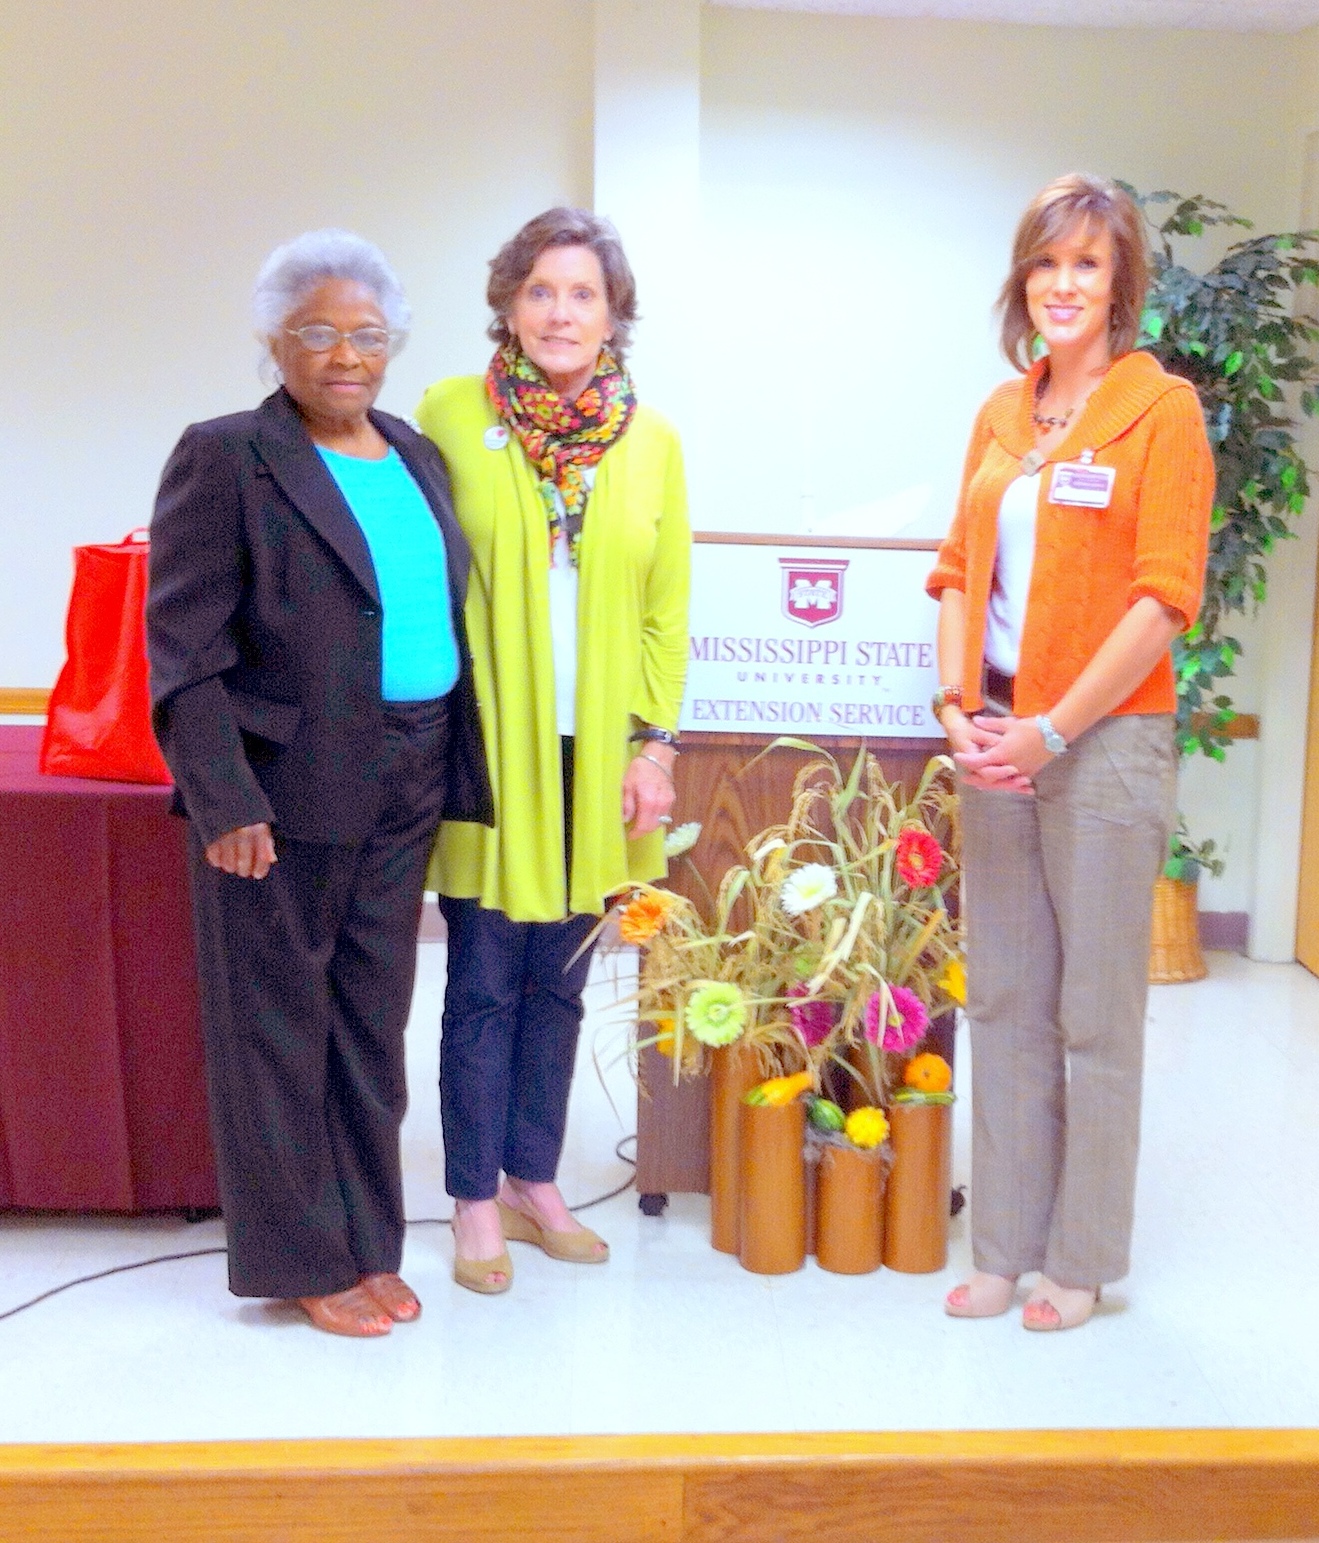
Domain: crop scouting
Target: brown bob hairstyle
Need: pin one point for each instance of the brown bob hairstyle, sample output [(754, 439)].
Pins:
[(1054, 212), (512, 265)]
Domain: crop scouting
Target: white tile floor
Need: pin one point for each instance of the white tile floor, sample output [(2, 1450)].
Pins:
[(1216, 1326)]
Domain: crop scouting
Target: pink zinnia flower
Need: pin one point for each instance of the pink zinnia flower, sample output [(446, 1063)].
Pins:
[(907, 1022), (812, 1020)]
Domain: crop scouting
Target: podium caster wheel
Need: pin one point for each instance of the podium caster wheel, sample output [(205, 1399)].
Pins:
[(653, 1205)]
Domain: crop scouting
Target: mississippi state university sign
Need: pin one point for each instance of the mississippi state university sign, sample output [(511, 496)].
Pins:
[(813, 642)]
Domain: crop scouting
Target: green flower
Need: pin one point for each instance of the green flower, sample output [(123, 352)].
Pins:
[(682, 838), (716, 1012)]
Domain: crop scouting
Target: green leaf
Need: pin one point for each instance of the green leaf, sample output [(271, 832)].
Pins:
[(1233, 362), (1151, 323)]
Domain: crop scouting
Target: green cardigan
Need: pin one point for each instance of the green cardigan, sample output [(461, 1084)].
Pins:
[(635, 562)]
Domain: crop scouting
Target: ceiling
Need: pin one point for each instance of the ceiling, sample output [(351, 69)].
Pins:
[(1208, 15)]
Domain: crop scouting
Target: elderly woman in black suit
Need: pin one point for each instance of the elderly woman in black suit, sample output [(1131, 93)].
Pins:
[(312, 694)]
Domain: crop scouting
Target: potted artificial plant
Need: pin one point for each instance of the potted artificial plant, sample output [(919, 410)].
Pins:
[(1233, 332)]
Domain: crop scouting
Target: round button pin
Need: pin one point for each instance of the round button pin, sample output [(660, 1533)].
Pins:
[(495, 437)]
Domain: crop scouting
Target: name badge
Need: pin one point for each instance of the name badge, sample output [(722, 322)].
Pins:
[(495, 437), (1082, 485)]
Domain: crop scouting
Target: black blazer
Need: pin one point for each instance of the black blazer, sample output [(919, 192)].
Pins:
[(264, 629)]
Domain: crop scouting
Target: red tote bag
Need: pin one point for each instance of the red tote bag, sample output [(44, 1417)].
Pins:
[(98, 723)]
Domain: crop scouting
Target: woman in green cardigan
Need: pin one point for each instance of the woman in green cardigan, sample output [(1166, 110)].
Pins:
[(573, 501)]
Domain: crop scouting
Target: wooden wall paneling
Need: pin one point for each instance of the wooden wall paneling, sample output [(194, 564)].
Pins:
[(975, 1487)]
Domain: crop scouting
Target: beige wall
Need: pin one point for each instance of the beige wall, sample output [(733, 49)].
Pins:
[(153, 151), (861, 178)]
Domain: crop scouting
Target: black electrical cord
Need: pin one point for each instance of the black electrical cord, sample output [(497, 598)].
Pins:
[(202, 1253)]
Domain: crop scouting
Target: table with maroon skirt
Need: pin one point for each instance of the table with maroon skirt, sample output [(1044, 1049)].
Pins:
[(102, 1087)]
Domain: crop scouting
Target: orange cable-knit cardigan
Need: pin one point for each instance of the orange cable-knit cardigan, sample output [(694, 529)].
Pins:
[(1091, 565)]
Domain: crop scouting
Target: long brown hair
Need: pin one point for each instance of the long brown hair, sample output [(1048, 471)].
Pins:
[(1055, 211)]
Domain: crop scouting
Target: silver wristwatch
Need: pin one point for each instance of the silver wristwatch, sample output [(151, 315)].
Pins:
[(1054, 743)]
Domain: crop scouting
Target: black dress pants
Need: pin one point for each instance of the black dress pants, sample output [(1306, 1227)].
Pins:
[(306, 983)]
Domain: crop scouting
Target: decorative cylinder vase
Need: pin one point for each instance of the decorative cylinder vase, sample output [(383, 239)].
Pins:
[(772, 1177), (734, 1070), (1175, 933), (916, 1202), (849, 1210)]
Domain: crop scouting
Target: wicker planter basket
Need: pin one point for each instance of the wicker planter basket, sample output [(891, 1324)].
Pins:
[(1175, 935)]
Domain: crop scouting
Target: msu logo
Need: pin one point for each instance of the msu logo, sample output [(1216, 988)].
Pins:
[(813, 591)]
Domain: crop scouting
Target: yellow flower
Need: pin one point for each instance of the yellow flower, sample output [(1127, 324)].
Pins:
[(953, 981), (866, 1128), (664, 1036)]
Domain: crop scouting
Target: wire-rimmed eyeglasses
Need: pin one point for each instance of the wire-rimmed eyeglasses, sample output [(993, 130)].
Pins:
[(368, 342)]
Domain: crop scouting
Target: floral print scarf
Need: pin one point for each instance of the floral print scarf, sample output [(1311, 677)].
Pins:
[(561, 439)]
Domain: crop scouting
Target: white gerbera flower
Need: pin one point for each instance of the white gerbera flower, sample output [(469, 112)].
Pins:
[(806, 888), (682, 838)]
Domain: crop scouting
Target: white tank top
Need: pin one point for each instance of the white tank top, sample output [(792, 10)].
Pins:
[(1012, 568)]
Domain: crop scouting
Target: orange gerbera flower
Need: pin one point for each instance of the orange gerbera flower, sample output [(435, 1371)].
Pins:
[(919, 857), (643, 916)]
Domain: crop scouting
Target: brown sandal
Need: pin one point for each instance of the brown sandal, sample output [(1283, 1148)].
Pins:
[(394, 1294), (354, 1313)]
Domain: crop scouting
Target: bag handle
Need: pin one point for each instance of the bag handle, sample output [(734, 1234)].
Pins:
[(140, 535)]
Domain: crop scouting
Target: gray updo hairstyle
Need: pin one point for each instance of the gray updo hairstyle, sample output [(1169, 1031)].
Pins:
[(293, 270)]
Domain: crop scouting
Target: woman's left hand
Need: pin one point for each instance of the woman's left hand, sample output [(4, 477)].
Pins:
[(648, 791), (1016, 753)]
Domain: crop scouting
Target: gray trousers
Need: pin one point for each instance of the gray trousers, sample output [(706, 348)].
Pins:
[(1058, 894)]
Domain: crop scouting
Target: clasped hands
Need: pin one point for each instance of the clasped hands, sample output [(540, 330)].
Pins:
[(998, 755)]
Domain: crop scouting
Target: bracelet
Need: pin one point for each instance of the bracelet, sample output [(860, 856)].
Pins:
[(644, 757), (657, 735), (945, 696)]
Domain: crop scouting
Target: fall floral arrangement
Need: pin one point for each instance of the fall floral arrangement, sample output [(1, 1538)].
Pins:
[(829, 949)]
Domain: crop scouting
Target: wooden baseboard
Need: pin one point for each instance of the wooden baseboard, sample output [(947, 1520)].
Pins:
[(23, 700), (976, 1487)]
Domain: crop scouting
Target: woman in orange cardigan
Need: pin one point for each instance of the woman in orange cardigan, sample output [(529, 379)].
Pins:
[(1076, 556)]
